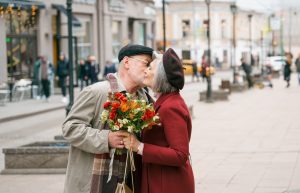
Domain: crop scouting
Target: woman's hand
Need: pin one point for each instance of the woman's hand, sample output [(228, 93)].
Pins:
[(131, 142)]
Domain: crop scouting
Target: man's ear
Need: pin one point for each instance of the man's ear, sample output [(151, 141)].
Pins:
[(126, 62)]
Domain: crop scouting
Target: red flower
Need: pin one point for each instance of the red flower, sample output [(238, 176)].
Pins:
[(107, 104), (112, 115), (148, 115), (115, 105), (118, 94)]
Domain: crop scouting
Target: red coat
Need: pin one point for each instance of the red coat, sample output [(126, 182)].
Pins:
[(166, 167)]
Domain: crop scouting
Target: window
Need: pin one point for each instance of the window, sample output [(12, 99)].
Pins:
[(185, 28), (116, 38), (21, 29), (142, 34)]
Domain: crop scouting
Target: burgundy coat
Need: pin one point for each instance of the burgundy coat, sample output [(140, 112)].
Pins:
[(165, 162)]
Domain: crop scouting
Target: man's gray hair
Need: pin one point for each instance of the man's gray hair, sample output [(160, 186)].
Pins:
[(161, 83)]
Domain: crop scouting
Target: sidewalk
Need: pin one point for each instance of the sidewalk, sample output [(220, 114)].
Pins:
[(249, 144), (25, 108)]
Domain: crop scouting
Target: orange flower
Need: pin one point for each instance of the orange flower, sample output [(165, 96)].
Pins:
[(133, 105), (124, 107)]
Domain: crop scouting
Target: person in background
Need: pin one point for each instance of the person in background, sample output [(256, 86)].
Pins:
[(287, 69), (62, 72), (195, 71), (247, 69), (110, 67), (269, 71), (46, 74), (164, 148), (83, 74), (297, 63), (204, 65), (36, 81), (93, 68)]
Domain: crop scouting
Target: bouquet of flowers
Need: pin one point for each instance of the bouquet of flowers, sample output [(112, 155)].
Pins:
[(123, 112)]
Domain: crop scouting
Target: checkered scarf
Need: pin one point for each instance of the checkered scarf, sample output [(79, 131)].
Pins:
[(102, 180), (100, 183)]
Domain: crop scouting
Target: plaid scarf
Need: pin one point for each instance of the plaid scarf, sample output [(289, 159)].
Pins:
[(101, 172), (101, 165)]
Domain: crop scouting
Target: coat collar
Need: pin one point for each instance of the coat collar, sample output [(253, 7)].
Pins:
[(162, 98)]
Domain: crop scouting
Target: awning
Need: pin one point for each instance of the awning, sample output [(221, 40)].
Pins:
[(62, 9), (25, 4)]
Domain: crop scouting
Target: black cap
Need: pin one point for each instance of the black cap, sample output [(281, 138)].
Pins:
[(133, 49), (173, 68)]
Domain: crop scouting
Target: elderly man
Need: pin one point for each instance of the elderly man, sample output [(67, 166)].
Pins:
[(88, 162)]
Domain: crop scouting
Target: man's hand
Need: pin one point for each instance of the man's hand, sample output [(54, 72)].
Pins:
[(115, 139)]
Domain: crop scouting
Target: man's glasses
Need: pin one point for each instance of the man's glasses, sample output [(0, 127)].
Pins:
[(140, 60)]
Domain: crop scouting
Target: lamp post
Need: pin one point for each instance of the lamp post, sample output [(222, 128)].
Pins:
[(164, 23), (233, 9), (250, 36), (208, 78), (70, 43)]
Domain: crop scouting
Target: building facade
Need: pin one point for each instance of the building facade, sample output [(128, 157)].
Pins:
[(123, 22), (186, 30), (100, 28)]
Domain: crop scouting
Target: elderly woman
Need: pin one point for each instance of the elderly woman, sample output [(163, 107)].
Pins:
[(165, 148)]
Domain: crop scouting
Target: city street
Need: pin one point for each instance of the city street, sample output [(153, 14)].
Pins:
[(249, 144)]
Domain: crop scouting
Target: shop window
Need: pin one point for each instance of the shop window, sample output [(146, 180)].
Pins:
[(21, 30)]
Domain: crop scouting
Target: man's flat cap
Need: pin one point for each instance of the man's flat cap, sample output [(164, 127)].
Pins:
[(173, 68), (134, 49)]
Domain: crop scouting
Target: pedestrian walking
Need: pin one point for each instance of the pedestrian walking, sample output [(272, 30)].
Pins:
[(204, 66), (46, 71), (287, 69), (36, 81), (164, 148), (91, 141), (297, 63), (268, 72), (247, 69), (83, 74), (62, 72), (195, 71)]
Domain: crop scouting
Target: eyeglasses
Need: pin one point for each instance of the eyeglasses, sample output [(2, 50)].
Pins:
[(140, 60)]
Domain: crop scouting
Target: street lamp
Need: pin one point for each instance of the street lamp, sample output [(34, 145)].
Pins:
[(70, 42), (208, 77), (250, 36), (164, 23), (233, 9)]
